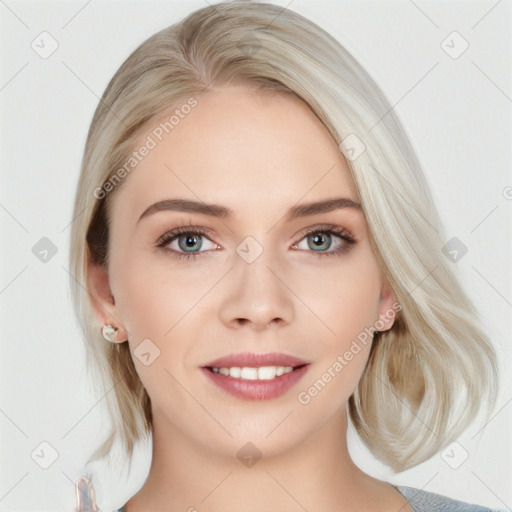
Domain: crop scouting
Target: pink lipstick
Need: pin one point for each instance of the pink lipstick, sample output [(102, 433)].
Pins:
[(252, 376)]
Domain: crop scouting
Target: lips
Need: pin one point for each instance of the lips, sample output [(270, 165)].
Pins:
[(252, 360), (282, 372)]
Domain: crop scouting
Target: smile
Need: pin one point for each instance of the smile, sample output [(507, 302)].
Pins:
[(261, 383), (261, 373)]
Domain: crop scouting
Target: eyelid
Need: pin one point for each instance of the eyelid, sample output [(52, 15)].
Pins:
[(335, 228), (185, 229)]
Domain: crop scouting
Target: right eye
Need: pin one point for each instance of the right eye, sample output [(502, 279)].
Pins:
[(185, 242)]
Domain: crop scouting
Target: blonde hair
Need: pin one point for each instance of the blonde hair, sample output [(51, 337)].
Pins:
[(435, 357)]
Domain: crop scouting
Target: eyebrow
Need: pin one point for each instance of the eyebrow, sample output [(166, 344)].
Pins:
[(215, 210)]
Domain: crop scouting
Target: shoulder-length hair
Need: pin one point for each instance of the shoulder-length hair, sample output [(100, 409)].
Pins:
[(428, 376)]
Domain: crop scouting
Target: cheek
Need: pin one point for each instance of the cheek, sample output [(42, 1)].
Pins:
[(152, 299), (167, 308), (342, 300), (158, 313), (348, 309), (354, 306)]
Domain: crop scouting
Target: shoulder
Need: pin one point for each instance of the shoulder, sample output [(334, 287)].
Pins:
[(423, 501)]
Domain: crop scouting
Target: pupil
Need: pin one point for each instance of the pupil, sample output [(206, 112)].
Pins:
[(190, 241), (317, 240)]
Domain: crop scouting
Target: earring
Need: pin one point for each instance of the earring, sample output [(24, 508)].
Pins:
[(109, 332), (85, 500)]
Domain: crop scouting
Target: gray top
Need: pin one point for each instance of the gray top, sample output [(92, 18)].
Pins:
[(423, 501)]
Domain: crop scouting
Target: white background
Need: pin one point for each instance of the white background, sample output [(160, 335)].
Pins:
[(457, 113)]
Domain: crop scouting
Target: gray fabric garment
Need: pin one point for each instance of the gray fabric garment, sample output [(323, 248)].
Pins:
[(423, 501)]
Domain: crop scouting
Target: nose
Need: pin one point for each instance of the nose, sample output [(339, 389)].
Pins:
[(256, 295)]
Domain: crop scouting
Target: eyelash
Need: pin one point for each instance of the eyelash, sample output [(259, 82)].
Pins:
[(329, 229)]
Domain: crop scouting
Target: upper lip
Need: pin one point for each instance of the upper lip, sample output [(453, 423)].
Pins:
[(251, 360)]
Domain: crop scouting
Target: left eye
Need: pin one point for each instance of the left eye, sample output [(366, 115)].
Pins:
[(321, 241)]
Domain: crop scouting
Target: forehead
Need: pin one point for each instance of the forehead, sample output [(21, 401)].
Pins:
[(236, 147)]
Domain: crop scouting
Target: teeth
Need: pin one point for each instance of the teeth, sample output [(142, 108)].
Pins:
[(233, 372), (262, 373), (248, 373)]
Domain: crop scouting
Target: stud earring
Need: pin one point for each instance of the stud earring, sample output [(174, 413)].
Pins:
[(109, 332)]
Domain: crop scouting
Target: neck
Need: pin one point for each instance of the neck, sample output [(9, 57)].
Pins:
[(316, 475)]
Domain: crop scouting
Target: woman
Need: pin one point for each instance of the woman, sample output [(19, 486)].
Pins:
[(263, 259)]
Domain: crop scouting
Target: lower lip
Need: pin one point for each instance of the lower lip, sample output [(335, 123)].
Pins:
[(257, 389)]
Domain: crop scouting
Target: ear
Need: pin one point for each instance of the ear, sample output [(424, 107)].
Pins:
[(102, 300), (388, 308)]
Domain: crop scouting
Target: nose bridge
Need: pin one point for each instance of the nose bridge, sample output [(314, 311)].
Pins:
[(255, 293)]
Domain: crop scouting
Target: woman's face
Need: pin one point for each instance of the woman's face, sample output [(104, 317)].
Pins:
[(273, 275)]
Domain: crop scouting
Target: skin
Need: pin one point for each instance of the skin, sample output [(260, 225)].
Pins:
[(259, 155)]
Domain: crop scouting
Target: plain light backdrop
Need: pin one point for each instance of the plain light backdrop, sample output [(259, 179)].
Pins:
[(457, 112)]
